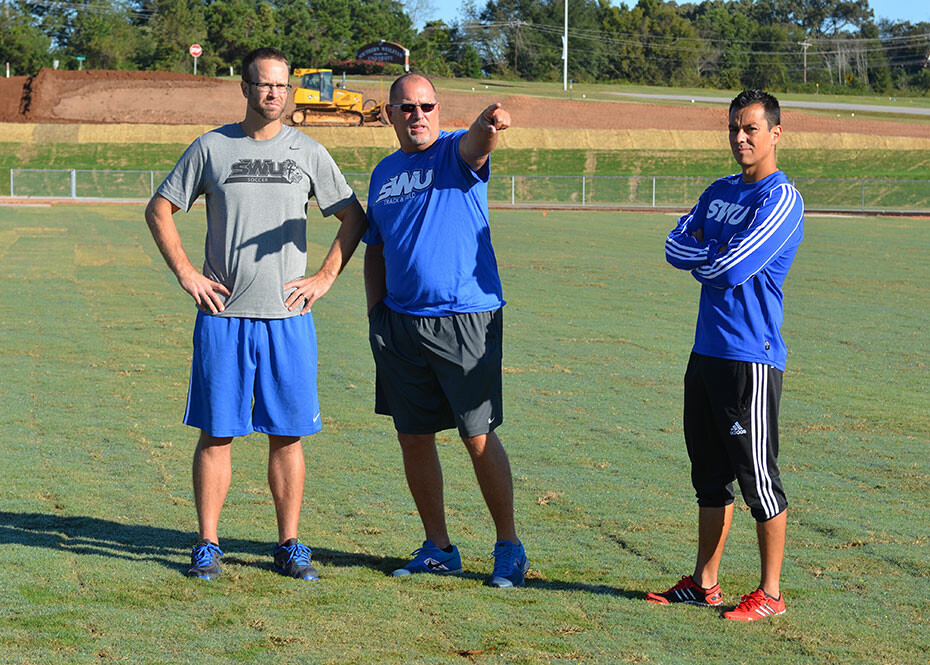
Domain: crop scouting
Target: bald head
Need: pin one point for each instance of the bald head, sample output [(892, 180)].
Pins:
[(405, 80)]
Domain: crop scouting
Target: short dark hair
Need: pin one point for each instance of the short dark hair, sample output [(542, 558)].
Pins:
[(755, 96), (397, 83), (264, 53)]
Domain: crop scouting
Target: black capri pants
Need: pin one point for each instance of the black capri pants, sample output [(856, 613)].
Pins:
[(731, 431)]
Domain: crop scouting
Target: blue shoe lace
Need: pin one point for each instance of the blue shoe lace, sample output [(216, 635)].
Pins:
[(204, 555), (505, 558), (298, 553), (431, 559), (423, 551)]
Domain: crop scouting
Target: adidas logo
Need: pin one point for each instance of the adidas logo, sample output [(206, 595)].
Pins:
[(737, 429)]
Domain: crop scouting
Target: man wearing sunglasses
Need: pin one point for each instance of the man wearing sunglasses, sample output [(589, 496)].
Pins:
[(254, 357), (434, 299)]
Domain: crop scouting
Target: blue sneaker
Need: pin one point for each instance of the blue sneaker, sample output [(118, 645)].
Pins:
[(430, 559), (205, 561), (292, 558), (510, 565)]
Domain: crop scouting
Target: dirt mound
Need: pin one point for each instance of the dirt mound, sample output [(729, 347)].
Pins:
[(167, 98), (120, 96), (533, 112), (459, 109), (11, 92)]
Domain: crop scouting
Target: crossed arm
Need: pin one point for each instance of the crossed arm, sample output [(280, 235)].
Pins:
[(685, 247), (776, 223), (773, 225)]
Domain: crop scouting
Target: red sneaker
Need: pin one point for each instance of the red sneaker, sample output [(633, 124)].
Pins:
[(686, 591), (756, 605)]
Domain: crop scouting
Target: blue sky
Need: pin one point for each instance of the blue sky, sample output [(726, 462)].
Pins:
[(914, 11)]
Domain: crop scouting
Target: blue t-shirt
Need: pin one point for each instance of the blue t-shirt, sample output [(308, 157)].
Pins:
[(751, 234), (431, 212)]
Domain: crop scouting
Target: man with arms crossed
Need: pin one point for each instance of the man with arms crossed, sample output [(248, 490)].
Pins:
[(434, 299), (738, 242), (254, 337)]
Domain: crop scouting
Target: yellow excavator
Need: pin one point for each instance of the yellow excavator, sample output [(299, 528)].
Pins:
[(320, 103)]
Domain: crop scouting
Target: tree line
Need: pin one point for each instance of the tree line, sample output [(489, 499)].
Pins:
[(830, 45)]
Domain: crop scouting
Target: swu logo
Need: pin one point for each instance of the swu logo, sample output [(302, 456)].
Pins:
[(404, 183), (728, 213), (265, 170)]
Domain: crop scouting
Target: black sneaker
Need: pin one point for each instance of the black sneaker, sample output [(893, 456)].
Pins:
[(205, 561), (292, 558), (686, 591)]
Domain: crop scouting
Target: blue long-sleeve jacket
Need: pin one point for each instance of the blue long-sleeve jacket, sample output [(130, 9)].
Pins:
[(751, 232)]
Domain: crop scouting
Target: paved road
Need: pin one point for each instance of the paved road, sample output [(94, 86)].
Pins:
[(824, 106)]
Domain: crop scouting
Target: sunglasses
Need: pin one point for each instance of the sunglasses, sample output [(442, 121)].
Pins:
[(410, 108)]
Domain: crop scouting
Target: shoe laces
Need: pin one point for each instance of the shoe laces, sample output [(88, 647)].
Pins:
[(505, 558), (205, 553), (751, 601), (684, 583), (298, 553), (425, 550)]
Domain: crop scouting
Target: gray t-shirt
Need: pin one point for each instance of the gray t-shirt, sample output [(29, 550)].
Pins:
[(257, 194)]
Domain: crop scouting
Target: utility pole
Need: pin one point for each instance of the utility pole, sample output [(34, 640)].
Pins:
[(516, 40), (565, 51), (804, 45)]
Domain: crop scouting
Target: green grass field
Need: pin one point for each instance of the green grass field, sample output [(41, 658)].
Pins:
[(96, 514), (711, 163), (700, 165)]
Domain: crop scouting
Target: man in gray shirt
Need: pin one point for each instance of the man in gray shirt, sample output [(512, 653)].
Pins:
[(254, 356)]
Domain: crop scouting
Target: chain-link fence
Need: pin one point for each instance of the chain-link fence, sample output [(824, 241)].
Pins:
[(84, 183), (839, 194)]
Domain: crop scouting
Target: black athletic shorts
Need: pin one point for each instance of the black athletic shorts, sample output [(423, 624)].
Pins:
[(731, 430), (438, 372)]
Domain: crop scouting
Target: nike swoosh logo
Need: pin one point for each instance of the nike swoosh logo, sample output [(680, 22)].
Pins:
[(316, 417), (432, 564)]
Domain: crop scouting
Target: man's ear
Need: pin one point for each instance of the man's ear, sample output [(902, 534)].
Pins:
[(776, 134)]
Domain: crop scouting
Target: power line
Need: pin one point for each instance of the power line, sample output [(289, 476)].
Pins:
[(698, 42), (756, 58), (92, 8), (677, 46)]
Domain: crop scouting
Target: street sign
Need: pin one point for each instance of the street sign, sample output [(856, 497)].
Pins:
[(195, 50)]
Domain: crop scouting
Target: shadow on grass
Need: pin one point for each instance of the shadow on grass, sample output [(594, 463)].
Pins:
[(604, 589), (170, 548)]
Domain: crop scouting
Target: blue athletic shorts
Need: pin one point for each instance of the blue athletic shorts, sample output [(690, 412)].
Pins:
[(254, 375)]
